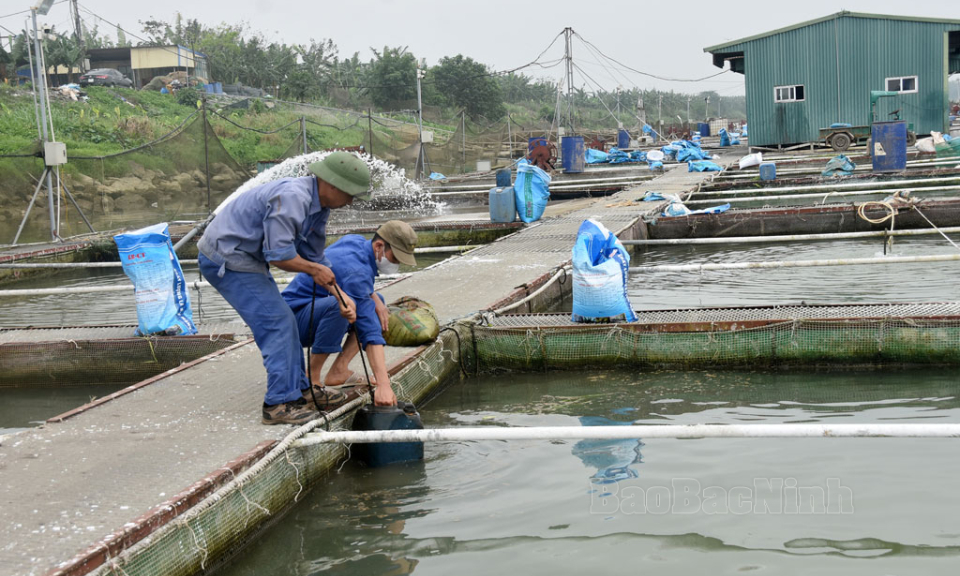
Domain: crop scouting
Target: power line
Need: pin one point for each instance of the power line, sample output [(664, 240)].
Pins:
[(614, 60)]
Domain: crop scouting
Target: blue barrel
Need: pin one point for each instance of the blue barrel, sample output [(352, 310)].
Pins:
[(403, 416), (503, 178), (503, 204), (534, 142), (768, 171), (703, 128), (623, 139), (888, 146), (573, 154)]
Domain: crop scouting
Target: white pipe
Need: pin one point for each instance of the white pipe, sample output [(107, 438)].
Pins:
[(95, 289), (451, 188), (552, 187), (788, 238), (58, 265), (796, 263), (846, 186), (636, 432), (533, 294), (752, 174), (65, 265), (821, 194)]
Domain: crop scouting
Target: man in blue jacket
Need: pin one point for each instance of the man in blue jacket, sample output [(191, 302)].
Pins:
[(282, 223), (356, 262)]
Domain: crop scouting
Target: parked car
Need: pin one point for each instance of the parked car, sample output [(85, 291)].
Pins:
[(105, 77)]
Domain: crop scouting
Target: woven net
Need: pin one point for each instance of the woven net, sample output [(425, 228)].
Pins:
[(104, 361), (827, 336), (160, 182), (214, 529)]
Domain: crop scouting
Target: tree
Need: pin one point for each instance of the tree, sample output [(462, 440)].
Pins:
[(121, 38), (63, 51), (468, 84), (392, 78), (223, 47)]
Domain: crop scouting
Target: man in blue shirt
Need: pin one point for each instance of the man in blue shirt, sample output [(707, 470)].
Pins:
[(282, 223), (356, 261)]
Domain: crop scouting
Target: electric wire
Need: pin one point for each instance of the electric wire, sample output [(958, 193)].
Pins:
[(631, 69)]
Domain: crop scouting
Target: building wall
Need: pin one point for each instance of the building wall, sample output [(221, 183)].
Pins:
[(839, 61)]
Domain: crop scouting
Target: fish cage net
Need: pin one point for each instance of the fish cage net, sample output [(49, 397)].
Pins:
[(723, 338), (120, 361), (162, 181), (211, 531)]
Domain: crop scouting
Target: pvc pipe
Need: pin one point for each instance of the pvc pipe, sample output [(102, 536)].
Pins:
[(452, 188), (535, 293), (821, 194), (65, 265), (846, 186), (554, 188), (58, 265), (788, 238), (635, 432), (743, 174), (796, 263)]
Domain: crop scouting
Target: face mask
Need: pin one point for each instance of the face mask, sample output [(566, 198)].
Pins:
[(385, 266)]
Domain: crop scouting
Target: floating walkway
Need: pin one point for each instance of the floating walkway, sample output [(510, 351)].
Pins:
[(172, 474)]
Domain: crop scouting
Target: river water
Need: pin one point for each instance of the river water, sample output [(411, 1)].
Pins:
[(775, 506), (866, 506)]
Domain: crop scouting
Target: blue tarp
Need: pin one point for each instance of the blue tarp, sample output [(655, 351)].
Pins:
[(691, 153), (703, 166), (839, 165), (437, 176), (841, 125), (597, 156)]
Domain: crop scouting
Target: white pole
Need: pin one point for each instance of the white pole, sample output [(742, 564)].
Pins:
[(787, 238), (822, 195), (794, 263), (898, 184), (644, 432)]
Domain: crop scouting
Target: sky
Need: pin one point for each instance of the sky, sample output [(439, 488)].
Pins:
[(663, 38)]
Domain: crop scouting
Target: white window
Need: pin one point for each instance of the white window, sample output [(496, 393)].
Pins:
[(793, 93), (906, 84)]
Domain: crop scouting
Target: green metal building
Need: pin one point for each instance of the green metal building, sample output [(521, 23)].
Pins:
[(809, 75)]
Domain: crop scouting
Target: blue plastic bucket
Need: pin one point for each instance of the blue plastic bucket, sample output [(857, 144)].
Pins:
[(573, 154)]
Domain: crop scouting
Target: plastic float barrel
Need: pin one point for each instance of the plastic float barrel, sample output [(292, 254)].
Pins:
[(888, 146), (503, 204), (403, 416), (768, 171), (623, 139), (503, 178), (703, 128), (573, 154)]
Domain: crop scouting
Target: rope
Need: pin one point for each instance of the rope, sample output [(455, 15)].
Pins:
[(297, 470), (952, 243), (196, 542), (242, 127)]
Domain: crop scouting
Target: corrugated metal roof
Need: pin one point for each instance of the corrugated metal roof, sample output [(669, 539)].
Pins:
[(735, 45)]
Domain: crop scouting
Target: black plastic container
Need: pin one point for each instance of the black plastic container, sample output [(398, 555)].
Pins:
[(403, 416)]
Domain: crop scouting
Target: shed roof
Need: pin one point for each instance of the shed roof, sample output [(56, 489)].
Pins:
[(841, 14)]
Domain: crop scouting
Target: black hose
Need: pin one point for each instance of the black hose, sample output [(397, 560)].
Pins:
[(353, 327)]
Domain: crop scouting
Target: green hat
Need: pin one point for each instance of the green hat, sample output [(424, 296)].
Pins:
[(346, 172), (402, 240)]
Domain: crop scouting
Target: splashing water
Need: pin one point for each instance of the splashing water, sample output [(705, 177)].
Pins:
[(391, 188)]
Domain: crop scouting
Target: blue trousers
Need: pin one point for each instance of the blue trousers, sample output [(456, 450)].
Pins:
[(329, 327), (257, 299)]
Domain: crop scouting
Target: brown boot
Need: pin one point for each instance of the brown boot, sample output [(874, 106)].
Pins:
[(293, 412), (326, 398)]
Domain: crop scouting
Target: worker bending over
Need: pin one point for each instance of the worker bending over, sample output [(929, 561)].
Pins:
[(282, 223), (356, 262)]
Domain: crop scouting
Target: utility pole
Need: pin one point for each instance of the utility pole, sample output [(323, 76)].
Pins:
[(42, 94), (706, 108), (719, 100), (78, 30), (420, 162), (688, 109), (568, 56), (660, 113)]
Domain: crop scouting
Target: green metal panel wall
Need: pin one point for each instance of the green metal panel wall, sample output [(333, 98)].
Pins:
[(870, 50)]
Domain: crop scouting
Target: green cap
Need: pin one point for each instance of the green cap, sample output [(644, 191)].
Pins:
[(345, 172), (402, 240)]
